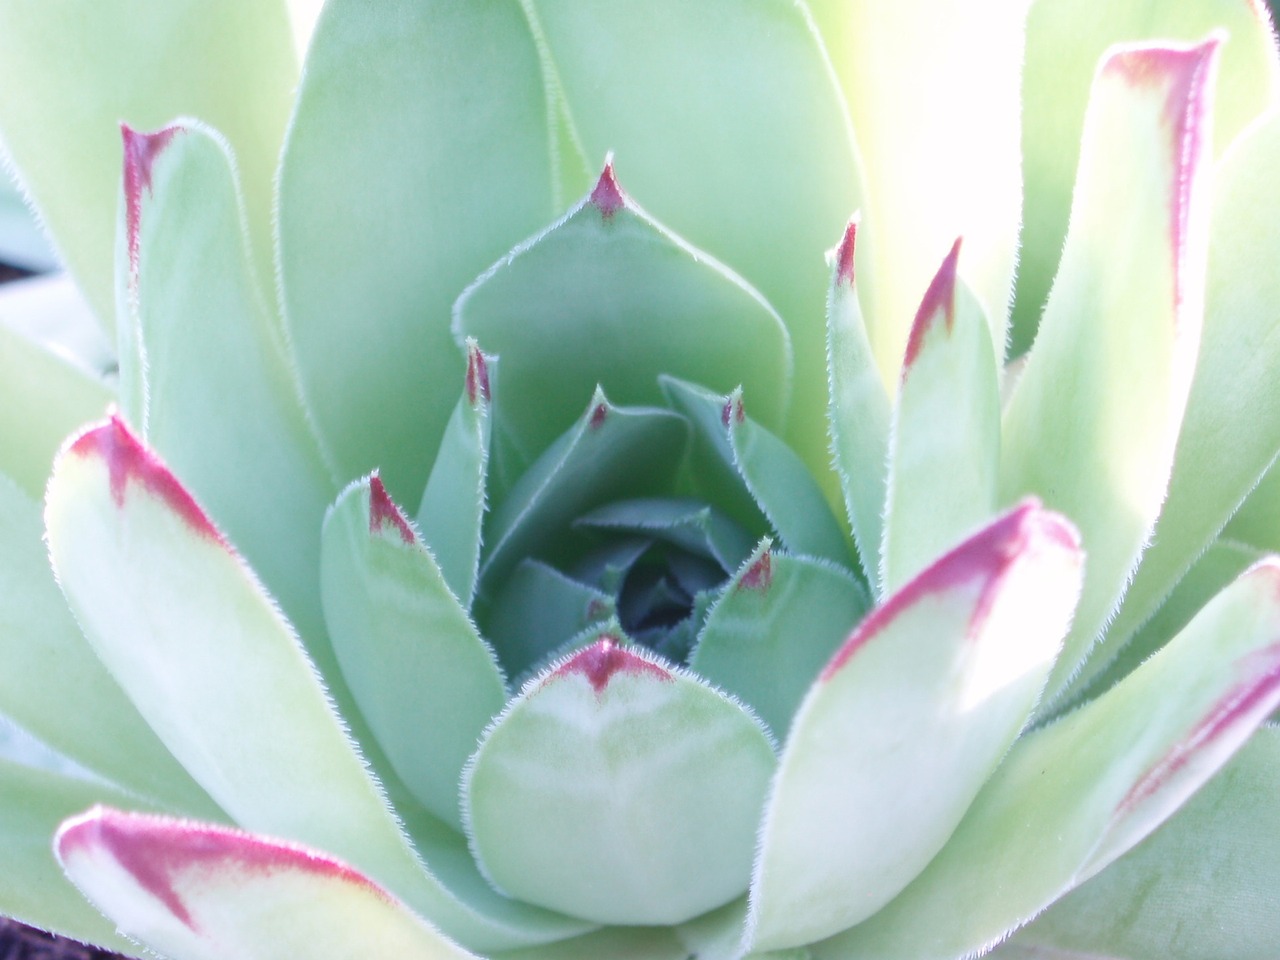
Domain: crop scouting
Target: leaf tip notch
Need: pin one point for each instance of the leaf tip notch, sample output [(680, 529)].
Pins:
[(607, 196), (604, 660), (939, 302), (128, 460), (384, 513)]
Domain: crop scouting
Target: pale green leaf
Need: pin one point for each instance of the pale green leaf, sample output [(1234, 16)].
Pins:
[(905, 724), (616, 943), (1065, 41), (1093, 419), (619, 789), (1072, 797), (1257, 522), (416, 157), (183, 625), (944, 450), (196, 891), (424, 680), (83, 68)]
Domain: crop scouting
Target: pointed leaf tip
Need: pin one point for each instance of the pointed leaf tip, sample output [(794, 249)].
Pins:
[(477, 375), (604, 660), (733, 411), (599, 415), (759, 575), (128, 459), (844, 255), (987, 556), (607, 196), (939, 301), (383, 511), (140, 152)]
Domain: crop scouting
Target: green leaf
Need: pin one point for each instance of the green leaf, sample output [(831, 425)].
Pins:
[(859, 411), (609, 296), (1072, 797), (201, 649), (905, 724), (766, 172), (43, 398), (396, 122), (221, 403), (944, 452), (618, 789), (1093, 420), (424, 680), (232, 64), (453, 504), (1257, 522), (1065, 41), (780, 484), (691, 525), (1221, 454), (611, 453), (958, 174), (778, 622), (33, 888), (200, 892), (1202, 886), (616, 943), (55, 687)]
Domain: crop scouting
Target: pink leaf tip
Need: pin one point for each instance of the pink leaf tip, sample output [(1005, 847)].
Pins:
[(987, 557), (758, 576), (128, 460), (477, 375), (939, 301), (140, 152), (604, 660), (383, 512), (607, 197), (844, 255), (733, 411), (598, 415)]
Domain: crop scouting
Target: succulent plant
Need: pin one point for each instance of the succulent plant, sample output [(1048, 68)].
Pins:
[(522, 516)]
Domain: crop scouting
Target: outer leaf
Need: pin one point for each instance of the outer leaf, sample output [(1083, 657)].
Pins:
[(859, 411), (906, 723), (1221, 454), (768, 636), (425, 681), (53, 684), (231, 64), (960, 174), (617, 789), (221, 403), (616, 943), (1257, 522), (1204, 885), (199, 892), (609, 296), (182, 624), (452, 508), (1072, 797), (42, 399), (944, 453), (1065, 40), (766, 172), (421, 92), (1093, 419)]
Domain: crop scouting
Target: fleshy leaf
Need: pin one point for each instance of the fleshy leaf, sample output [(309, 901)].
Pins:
[(183, 625), (231, 64), (1093, 420), (1065, 41), (959, 174), (201, 892), (609, 296), (859, 411), (904, 725), (1204, 885), (689, 524), (779, 621), (425, 681), (221, 404), (611, 453), (48, 667), (453, 504), (422, 91), (782, 487), (766, 171), (1221, 454), (616, 943), (1073, 796), (619, 789), (944, 451)]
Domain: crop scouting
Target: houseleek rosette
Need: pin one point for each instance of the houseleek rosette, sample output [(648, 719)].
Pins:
[(571, 560)]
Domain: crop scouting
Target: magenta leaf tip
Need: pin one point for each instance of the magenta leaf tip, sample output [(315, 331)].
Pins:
[(140, 153), (607, 196), (383, 512), (604, 660), (939, 301), (844, 254)]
